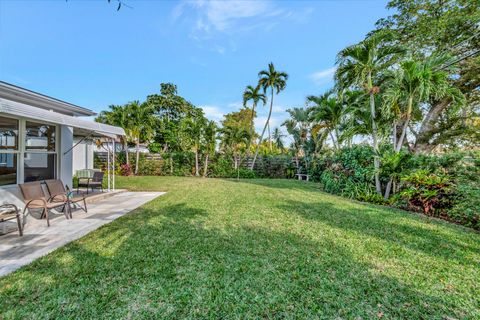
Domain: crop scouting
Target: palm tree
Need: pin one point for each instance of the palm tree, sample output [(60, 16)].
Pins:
[(277, 138), (209, 140), (118, 116), (255, 96), (296, 146), (141, 124), (412, 84), (193, 129), (233, 138), (327, 112), (359, 65), (276, 81)]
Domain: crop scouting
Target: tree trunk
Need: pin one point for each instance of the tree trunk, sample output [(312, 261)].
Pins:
[(269, 138), (137, 156), (376, 158), (125, 147), (336, 137), (394, 133), (333, 141), (388, 189), (399, 144), (251, 131), (205, 168), (197, 173), (428, 125), (263, 132)]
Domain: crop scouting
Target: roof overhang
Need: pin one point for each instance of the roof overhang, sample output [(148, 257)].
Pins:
[(11, 92), (18, 109)]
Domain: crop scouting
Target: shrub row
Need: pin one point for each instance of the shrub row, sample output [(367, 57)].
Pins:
[(444, 186)]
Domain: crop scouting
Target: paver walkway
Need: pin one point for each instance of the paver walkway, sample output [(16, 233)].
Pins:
[(38, 239)]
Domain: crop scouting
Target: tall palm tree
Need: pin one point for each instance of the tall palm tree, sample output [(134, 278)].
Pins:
[(276, 81), (360, 65), (210, 141), (255, 95), (142, 122)]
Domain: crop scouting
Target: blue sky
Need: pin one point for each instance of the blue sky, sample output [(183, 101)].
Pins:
[(87, 53)]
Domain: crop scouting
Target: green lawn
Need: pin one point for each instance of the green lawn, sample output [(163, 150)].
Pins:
[(221, 249)]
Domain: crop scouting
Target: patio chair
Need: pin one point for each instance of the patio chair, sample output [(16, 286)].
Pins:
[(35, 198), (95, 182), (10, 212), (58, 192)]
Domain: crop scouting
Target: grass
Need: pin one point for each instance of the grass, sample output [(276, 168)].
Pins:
[(214, 248)]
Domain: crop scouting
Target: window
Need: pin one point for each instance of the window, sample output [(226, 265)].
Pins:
[(8, 150), (40, 137), (39, 166), (40, 158)]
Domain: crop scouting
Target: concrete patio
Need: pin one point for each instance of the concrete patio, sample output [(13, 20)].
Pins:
[(38, 239)]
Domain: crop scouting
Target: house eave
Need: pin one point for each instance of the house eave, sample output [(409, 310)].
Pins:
[(14, 93)]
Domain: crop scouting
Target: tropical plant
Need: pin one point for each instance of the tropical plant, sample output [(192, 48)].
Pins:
[(277, 137), (359, 66), (193, 132), (326, 112), (117, 115), (209, 143), (255, 95), (141, 124), (276, 81), (412, 84)]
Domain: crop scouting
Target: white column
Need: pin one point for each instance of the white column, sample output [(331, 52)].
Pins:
[(108, 166), (65, 160), (113, 166)]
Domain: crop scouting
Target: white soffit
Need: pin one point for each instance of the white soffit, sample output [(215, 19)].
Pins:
[(23, 110)]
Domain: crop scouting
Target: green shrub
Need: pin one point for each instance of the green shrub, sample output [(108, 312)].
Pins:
[(466, 210), (220, 167), (151, 168), (244, 173), (430, 193)]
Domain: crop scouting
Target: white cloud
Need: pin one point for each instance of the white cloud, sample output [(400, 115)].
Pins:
[(210, 18), (213, 113), (323, 76), (223, 15), (235, 105)]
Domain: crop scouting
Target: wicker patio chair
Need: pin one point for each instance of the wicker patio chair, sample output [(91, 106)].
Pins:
[(58, 192), (10, 212), (95, 182), (35, 198)]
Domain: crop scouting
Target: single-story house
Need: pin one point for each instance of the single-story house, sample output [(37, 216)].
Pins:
[(44, 138)]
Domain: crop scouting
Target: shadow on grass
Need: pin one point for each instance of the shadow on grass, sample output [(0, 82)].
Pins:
[(290, 184), (165, 263), (374, 222)]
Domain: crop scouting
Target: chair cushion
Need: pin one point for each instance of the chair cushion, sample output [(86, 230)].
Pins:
[(7, 211)]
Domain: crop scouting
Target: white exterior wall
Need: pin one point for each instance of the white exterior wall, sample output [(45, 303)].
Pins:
[(82, 155)]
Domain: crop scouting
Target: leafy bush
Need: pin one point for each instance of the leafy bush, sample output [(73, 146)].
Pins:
[(125, 169), (347, 172), (244, 174), (220, 167), (466, 210), (151, 168), (427, 192)]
